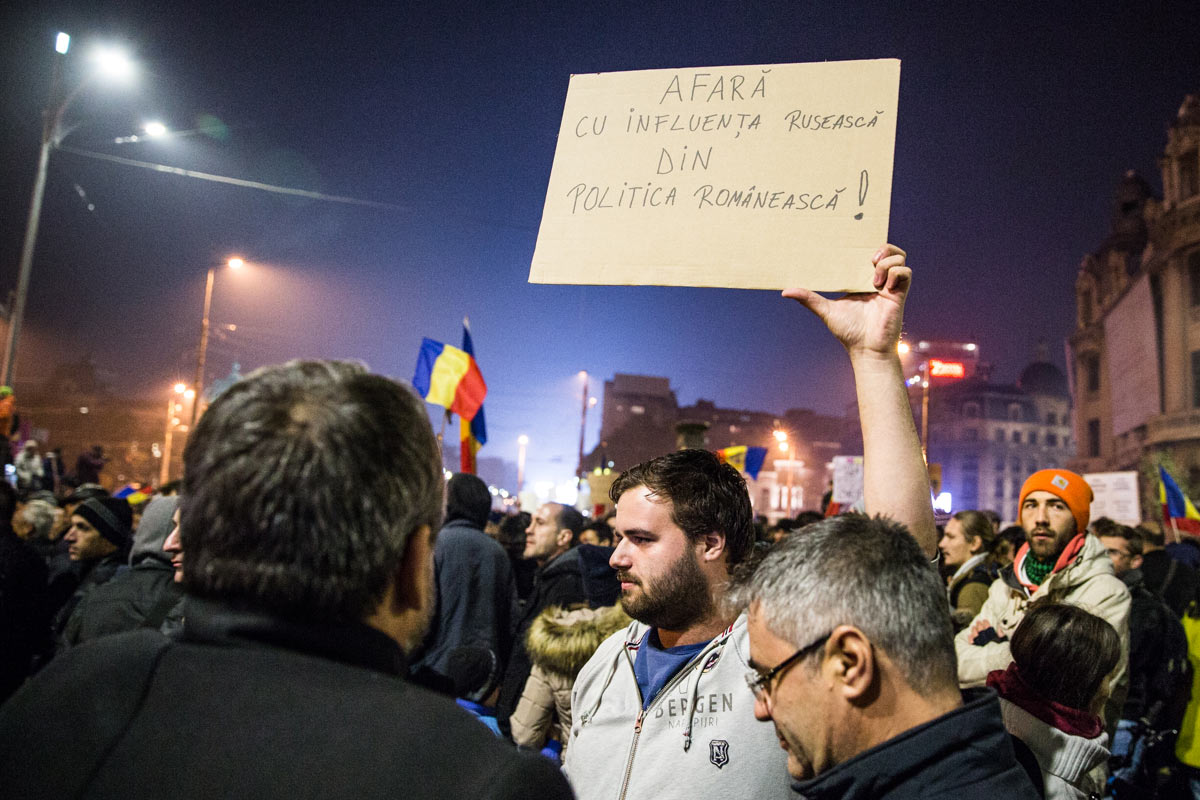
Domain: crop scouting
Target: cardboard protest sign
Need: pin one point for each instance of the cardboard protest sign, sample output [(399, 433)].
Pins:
[(755, 177)]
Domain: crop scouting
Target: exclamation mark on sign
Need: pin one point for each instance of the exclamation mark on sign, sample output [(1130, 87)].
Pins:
[(863, 182)]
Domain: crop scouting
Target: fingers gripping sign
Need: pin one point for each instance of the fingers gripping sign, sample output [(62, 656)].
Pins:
[(865, 323)]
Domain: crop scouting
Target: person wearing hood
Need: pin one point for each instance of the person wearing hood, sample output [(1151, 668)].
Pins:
[(98, 540), (140, 596), (1059, 561), (476, 596), (1051, 692)]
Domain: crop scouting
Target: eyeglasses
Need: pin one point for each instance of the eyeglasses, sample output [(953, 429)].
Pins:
[(760, 682)]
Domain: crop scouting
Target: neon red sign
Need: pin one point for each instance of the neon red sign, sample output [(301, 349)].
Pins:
[(946, 369)]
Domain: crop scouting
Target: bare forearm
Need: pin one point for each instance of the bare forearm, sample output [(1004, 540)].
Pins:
[(895, 481)]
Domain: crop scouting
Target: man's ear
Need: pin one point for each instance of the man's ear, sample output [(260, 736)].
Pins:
[(565, 537), (414, 572), (851, 660), (1136, 562), (714, 546)]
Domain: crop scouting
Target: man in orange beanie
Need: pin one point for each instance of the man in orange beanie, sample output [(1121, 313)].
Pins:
[(1059, 560)]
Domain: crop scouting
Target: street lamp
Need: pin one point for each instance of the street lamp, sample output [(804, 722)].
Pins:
[(174, 409), (582, 428), (234, 263), (111, 63), (784, 446), (522, 441)]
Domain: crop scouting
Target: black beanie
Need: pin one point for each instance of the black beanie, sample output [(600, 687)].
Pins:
[(467, 497), (111, 517)]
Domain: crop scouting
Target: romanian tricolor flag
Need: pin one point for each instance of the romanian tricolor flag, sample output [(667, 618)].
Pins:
[(449, 377), (1179, 513), (472, 432), (744, 459)]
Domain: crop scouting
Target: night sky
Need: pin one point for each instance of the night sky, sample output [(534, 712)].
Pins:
[(1016, 122)]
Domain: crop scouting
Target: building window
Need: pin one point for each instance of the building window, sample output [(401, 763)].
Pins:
[(1085, 306), (1090, 364), (1051, 440), (1031, 468), (1015, 485), (1014, 412), (1189, 175), (1194, 277), (999, 488), (1033, 437), (1017, 437), (999, 465), (1051, 418), (733, 428), (637, 409), (970, 465), (971, 410), (1000, 434), (1093, 434), (1196, 379)]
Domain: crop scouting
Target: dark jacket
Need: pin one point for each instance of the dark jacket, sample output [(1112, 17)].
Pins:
[(246, 705), (557, 583), (476, 596), (965, 753), (137, 597), (1173, 581), (24, 624), (96, 574)]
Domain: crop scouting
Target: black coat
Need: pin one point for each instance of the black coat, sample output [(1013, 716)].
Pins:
[(476, 597), (126, 602), (24, 620), (558, 583), (246, 705), (965, 753)]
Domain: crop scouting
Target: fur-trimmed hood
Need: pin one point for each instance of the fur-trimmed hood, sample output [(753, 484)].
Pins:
[(561, 640)]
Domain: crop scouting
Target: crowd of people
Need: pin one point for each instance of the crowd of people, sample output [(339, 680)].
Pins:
[(320, 613)]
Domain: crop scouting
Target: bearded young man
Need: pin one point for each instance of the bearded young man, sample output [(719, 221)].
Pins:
[(662, 709), (1060, 561)]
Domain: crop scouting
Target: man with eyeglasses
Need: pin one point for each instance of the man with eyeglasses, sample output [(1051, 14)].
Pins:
[(661, 709), (868, 705)]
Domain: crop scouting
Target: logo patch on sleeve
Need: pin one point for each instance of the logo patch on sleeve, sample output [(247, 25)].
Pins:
[(718, 752)]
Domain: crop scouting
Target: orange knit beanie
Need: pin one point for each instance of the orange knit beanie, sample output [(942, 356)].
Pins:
[(1072, 489)]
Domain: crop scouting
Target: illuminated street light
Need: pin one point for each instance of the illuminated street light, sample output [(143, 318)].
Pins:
[(155, 129), (111, 62), (180, 388), (522, 441), (233, 263), (902, 348)]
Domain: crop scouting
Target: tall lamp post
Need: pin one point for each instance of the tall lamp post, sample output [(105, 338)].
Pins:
[(202, 350), (522, 441), (174, 407), (587, 403), (784, 447), (111, 62)]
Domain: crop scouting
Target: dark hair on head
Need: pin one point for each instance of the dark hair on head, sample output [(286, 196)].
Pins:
[(512, 533), (570, 518), (1154, 538), (1107, 527), (468, 498), (1064, 653), (302, 484), (604, 531), (706, 495), (976, 525), (1014, 535), (807, 518)]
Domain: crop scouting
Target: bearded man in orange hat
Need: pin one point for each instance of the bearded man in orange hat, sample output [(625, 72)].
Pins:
[(1060, 561)]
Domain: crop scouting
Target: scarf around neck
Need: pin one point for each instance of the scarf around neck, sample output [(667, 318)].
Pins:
[(1009, 684)]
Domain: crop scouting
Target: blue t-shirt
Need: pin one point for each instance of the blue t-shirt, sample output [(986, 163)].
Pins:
[(654, 666)]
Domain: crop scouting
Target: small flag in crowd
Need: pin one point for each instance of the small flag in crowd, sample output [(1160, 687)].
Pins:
[(449, 377), (1179, 512), (472, 432), (744, 459)]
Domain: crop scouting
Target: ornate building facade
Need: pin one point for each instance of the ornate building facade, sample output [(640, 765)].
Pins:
[(1136, 345)]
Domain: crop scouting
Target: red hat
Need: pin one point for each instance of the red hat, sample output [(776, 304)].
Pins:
[(1067, 486)]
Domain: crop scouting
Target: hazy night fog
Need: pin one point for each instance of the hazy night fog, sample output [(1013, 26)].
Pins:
[(1016, 123)]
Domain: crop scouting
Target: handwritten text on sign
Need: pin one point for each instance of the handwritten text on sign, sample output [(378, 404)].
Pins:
[(758, 177)]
